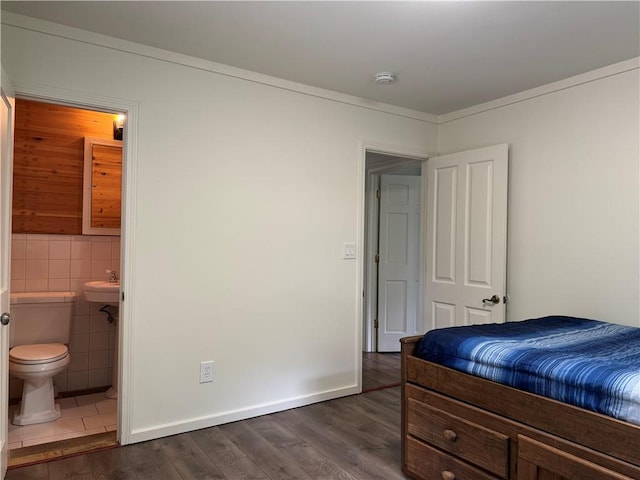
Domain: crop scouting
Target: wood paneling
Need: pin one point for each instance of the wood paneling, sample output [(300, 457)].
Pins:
[(48, 165)]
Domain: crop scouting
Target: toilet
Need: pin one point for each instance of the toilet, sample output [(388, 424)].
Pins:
[(38, 337)]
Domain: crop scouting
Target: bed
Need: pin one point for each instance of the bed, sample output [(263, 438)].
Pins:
[(480, 402)]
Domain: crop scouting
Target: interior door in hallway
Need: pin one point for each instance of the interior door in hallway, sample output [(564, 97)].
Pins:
[(399, 259), (6, 154), (466, 238)]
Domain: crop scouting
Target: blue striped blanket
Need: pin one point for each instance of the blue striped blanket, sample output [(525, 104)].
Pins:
[(587, 363)]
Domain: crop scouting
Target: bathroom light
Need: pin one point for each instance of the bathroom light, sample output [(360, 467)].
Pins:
[(384, 78), (118, 127)]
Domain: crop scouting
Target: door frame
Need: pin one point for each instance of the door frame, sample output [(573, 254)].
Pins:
[(368, 231), (7, 96), (83, 100)]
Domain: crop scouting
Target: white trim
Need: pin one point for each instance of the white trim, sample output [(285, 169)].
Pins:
[(369, 302), (394, 164), (62, 31), (374, 146), (129, 162), (359, 293), (197, 423), (7, 96), (608, 71)]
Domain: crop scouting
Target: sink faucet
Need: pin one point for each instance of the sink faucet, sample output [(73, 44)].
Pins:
[(113, 276)]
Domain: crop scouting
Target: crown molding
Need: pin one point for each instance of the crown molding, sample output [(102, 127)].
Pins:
[(91, 38), (593, 75), (104, 41)]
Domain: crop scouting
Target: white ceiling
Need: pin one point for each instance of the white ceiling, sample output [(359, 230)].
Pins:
[(446, 55)]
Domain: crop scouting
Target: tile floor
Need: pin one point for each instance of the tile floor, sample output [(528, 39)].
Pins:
[(81, 416)]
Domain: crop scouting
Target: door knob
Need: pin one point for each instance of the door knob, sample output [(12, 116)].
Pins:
[(5, 318), (494, 300)]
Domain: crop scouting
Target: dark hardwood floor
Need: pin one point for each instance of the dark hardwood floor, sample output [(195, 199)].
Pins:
[(380, 370), (356, 437)]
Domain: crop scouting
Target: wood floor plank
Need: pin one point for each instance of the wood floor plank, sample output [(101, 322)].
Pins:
[(111, 464), (233, 462), (344, 417), (71, 468), (312, 461), (272, 461), (149, 461), (338, 445), (31, 472), (381, 407), (380, 370), (188, 459), (381, 443)]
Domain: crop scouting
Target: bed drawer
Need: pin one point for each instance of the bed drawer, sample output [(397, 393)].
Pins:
[(479, 445), (537, 461), (428, 463)]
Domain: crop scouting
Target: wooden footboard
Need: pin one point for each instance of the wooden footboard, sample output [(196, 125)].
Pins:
[(456, 426)]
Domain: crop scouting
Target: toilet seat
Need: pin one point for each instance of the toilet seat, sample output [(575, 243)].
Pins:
[(38, 353)]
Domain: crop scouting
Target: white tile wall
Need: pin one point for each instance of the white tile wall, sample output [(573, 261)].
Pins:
[(41, 263)]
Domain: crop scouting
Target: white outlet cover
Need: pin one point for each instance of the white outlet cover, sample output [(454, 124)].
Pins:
[(206, 372)]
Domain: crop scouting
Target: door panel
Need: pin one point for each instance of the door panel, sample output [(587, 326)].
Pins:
[(466, 231), (399, 252), (6, 155), (444, 245)]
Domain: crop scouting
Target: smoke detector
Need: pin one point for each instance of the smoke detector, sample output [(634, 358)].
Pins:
[(384, 78)]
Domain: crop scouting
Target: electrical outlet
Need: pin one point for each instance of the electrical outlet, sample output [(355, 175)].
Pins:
[(206, 371)]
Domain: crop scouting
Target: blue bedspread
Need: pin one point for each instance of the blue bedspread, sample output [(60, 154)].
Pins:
[(587, 363)]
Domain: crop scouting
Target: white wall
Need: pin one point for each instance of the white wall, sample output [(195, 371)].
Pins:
[(244, 196), (573, 196)]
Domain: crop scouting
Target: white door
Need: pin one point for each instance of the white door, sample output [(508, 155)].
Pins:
[(399, 259), (6, 155), (466, 249)]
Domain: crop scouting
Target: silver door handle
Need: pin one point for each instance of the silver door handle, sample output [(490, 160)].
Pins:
[(5, 318), (495, 300)]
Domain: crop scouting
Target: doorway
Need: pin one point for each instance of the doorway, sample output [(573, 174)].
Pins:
[(52, 252), (392, 250)]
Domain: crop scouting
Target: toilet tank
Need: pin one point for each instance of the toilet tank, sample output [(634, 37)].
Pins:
[(40, 317)]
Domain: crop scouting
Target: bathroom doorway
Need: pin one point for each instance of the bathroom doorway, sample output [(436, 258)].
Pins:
[(51, 252)]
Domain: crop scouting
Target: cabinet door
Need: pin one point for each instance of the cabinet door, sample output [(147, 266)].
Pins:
[(538, 461)]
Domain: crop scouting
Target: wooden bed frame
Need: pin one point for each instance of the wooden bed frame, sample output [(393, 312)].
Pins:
[(459, 427)]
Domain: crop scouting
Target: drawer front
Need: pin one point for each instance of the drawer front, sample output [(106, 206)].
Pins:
[(476, 444), (537, 461), (428, 463)]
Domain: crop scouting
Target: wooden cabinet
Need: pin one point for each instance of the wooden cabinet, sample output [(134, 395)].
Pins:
[(102, 186), (445, 439)]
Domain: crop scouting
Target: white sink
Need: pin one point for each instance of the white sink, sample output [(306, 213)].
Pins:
[(106, 293)]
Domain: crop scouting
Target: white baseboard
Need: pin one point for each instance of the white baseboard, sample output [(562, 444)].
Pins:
[(188, 425)]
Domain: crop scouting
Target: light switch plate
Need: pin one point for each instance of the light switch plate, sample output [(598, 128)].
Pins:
[(349, 250)]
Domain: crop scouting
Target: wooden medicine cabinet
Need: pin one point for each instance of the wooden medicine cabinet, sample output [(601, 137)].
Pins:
[(102, 186)]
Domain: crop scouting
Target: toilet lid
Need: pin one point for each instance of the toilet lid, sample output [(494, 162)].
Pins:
[(38, 353)]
